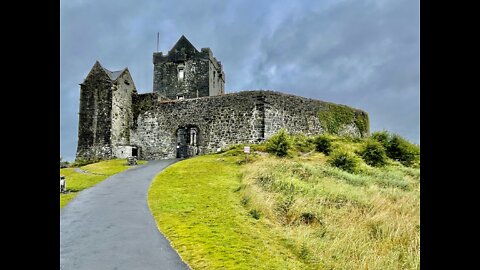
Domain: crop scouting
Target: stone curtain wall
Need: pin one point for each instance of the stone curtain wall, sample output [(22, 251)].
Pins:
[(221, 120), (309, 116), (244, 117)]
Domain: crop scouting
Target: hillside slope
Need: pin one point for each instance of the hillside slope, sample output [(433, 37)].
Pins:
[(298, 212)]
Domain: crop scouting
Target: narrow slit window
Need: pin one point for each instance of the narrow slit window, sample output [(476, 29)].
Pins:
[(181, 74)]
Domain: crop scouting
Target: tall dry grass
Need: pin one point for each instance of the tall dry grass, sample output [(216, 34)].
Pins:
[(333, 219)]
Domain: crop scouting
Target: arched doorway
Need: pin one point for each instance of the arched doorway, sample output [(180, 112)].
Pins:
[(187, 141)]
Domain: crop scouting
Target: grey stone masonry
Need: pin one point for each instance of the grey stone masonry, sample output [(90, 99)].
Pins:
[(186, 72), (243, 117), (188, 112), (105, 112)]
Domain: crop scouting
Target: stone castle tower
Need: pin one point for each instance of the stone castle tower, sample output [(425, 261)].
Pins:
[(105, 111), (188, 112), (187, 73)]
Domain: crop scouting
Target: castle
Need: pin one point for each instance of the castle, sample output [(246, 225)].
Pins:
[(188, 112)]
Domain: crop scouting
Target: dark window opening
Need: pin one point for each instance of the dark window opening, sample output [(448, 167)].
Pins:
[(134, 152)]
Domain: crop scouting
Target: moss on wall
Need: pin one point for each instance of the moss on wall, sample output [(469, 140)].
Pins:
[(334, 116), (362, 122)]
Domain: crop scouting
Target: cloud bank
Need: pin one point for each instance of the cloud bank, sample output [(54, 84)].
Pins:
[(364, 54)]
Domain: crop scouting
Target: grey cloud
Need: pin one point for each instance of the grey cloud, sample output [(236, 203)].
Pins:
[(361, 53)]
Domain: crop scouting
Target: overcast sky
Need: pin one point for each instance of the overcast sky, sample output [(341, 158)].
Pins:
[(361, 53)]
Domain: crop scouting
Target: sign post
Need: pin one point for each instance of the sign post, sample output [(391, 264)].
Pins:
[(246, 150)]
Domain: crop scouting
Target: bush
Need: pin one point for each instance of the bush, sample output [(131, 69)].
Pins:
[(344, 160), (323, 144), (374, 154), (400, 149), (279, 144), (383, 137), (303, 143)]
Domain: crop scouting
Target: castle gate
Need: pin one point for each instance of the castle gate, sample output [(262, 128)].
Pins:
[(187, 141)]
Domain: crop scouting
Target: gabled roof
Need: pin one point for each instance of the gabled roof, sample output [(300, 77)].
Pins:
[(114, 74), (183, 42)]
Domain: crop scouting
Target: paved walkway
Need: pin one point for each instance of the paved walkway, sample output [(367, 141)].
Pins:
[(109, 226)]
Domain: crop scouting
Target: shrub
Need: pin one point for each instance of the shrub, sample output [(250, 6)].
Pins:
[(344, 160), (383, 137), (374, 154), (279, 144), (400, 149), (303, 143), (323, 144)]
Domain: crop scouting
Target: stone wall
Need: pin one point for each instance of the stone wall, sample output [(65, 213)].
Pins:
[(244, 117), (122, 117), (221, 120), (203, 74), (310, 116), (195, 82), (94, 129), (123, 151), (216, 76)]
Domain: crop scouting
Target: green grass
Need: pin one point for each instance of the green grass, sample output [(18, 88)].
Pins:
[(197, 205), (97, 172), (289, 213)]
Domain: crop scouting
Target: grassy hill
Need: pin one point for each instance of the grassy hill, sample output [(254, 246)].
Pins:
[(305, 210)]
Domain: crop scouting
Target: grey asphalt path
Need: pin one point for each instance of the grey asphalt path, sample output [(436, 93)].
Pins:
[(109, 226)]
